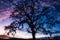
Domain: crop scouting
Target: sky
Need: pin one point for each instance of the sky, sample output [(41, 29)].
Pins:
[(6, 9), (5, 12)]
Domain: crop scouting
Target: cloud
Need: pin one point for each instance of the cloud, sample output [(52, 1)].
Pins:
[(4, 19), (5, 14)]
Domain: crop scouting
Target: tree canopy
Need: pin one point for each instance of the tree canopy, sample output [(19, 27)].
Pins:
[(35, 15)]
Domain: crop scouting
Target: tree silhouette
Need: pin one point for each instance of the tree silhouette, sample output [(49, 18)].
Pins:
[(34, 15)]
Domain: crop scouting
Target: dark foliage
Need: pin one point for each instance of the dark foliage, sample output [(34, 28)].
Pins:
[(35, 16)]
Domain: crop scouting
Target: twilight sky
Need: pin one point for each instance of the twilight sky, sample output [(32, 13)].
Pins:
[(6, 9)]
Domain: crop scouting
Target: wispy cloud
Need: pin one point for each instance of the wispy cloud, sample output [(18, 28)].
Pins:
[(5, 14)]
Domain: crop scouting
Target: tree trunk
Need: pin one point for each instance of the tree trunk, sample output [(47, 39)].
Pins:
[(33, 35), (33, 31)]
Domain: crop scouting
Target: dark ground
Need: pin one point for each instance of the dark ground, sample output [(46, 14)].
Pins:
[(47, 38)]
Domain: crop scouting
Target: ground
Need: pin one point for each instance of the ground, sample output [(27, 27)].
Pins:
[(46, 38)]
